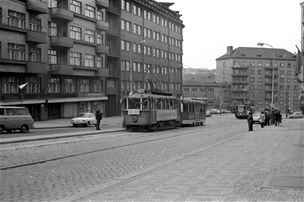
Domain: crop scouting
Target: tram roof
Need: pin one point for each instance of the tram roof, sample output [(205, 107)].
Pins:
[(147, 95), (197, 100)]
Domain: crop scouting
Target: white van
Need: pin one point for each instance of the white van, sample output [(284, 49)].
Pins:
[(15, 118)]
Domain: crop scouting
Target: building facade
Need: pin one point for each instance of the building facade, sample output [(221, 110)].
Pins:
[(151, 47), (300, 72), (60, 50), (218, 95), (260, 76)]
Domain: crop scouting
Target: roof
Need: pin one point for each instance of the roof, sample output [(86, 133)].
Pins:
[(259, 53)]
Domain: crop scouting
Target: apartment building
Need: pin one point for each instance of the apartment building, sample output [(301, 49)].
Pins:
[(151, 47), (65, 52), (260, 76)]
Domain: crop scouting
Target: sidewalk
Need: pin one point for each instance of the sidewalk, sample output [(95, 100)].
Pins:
[(109, 125), (65, 123)]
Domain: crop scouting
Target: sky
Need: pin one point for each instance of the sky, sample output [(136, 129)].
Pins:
[(212, 25)]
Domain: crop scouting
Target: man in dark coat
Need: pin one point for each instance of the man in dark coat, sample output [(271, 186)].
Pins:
[(98, 116), (250, 121)]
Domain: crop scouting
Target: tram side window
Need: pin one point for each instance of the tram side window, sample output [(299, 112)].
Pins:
[(158, 103), (134, 103)]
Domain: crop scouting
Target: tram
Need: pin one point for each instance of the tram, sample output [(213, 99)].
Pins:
[(194, 111), (155, 110), (151, 110)]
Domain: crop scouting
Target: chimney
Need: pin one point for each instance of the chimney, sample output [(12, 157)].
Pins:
[(229, 50)]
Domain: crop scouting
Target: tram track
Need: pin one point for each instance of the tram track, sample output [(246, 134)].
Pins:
[(39, 162)]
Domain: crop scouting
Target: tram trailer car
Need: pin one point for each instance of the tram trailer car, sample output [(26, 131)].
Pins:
[(153, 111), (193, 111)]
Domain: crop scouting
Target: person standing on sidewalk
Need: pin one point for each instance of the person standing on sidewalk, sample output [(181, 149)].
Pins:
[(250, 121), (98, 116), (262, 118)]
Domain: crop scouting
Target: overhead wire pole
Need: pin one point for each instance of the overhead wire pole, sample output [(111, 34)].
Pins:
[(272, 75)]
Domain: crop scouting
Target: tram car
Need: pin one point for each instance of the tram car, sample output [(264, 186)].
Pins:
[(150, 110), (194, 111), (155, 110)]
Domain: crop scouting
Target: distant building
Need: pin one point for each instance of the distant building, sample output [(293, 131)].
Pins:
[(204, 75), (255, 72)]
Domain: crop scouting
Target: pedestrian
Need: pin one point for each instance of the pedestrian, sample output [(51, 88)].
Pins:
[(98, 116), (280, 118), (250, 121), (267, 118), (262, 119)]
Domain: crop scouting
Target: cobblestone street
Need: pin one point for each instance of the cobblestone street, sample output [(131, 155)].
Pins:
[(218, 161)]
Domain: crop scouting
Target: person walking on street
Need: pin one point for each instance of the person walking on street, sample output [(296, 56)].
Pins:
[(262, 119), (250, 121), (98, 116)]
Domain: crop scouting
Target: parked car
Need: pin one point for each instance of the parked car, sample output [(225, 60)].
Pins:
[(15, 118), (256, 118), (208, 113), (296, 115), (215, 111), (85, 119)]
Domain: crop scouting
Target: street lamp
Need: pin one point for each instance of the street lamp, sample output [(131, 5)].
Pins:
[(272, 64)]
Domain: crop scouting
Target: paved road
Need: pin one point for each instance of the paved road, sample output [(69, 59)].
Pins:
[(75, 169)]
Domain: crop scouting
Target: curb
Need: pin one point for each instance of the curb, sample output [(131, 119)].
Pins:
[(32, 139)]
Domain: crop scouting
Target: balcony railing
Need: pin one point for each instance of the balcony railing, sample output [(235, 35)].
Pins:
[(102, 49), (103, 3), (37, 67), (102, 25), (37, 6), (61, 41), (36, 37), (61, 14)]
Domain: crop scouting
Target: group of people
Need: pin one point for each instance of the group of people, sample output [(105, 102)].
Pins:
[(268, 117)]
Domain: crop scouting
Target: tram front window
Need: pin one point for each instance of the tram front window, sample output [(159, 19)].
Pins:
[(134, 103), (145, 103)]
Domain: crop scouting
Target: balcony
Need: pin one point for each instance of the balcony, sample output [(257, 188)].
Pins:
[(102, 25), (37, 67), (62, 69), (37, 6), (115, 53), (36, 37), (61, 14), (102, 72), (103, 3), (102, 49), (61, 41)]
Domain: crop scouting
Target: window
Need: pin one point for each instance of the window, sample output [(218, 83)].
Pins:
[(52, 56), (100, 61), (75, 58), (89, 60), (54, 85), (100, 38), (34, 54), (75, 32), (69, 86), (16, 19), (89, 11), (89, 36), (52, 3), (84, 86), (96, 86), (16, 51), (101, 13), (52, 29), (35, 24), (75, 6)]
